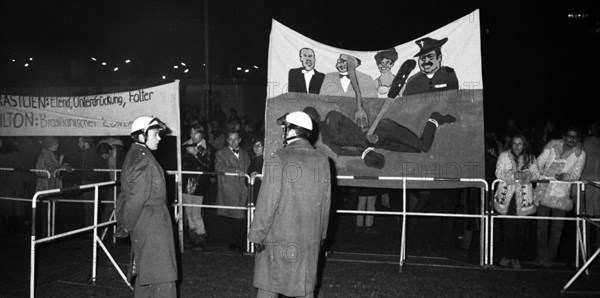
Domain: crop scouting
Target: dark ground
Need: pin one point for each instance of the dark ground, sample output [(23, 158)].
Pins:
[(360, 265)]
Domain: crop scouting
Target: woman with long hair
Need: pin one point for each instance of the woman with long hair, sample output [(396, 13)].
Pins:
[(516, 167)]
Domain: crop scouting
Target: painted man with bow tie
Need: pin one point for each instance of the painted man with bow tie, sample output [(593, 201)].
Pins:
[(305, 79), (339, 84)]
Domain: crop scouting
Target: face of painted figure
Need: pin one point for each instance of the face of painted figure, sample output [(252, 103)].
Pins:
[(153, 139), (233, 139), (385, 65), (196, 135), (516, 147), (307, 57), (429, 63), (342, 64), (571, 138)]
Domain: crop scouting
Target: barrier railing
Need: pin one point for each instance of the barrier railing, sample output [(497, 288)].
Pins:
[(96, 240), (580, 241), (179, 205), (404, 213)]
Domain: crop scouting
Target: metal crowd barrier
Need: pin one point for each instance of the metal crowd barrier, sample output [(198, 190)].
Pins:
[(96, 240), (178, 204), (580, 241), (483, 218)]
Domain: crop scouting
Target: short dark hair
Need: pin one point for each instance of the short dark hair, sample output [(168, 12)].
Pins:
[(103, 148), (87, 140)]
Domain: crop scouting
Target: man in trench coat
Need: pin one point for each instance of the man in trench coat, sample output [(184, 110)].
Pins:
[(292, 214), (142, 213)]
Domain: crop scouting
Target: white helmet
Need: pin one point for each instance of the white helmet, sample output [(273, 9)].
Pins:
[(299, 119), (144, 123)]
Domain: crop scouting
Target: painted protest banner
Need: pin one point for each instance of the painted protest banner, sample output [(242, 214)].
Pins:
[(92, 115), (414, 110)]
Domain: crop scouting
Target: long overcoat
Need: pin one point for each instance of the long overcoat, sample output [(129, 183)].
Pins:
[(291, 219), (142, 209), (232, 190)]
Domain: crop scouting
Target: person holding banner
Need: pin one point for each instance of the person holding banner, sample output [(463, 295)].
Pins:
[(292, 214), (142, 213)]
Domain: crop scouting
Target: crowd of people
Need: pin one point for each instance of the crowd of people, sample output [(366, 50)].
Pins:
[(524, 160)]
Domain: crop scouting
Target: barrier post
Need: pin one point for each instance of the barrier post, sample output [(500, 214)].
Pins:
[(95, 232)]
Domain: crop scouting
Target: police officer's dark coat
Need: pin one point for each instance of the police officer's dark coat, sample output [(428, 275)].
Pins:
[(143, 211), (291, 219), (443, 79)]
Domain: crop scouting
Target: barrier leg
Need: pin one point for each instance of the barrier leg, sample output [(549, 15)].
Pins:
[(94, 242), (583, 268), (32, 256)]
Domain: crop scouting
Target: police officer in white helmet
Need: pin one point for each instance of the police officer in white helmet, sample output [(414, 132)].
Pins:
[(142, 213), (292, 213)]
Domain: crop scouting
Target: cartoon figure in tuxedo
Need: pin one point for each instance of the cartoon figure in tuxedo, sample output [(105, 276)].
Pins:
[(338, 83), (305, 79)]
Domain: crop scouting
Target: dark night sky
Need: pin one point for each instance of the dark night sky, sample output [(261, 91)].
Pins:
[(535, 60)]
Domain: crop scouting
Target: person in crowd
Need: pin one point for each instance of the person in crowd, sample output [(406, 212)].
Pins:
[(292, 214), (562, 160), (232, 190), (12, 213), (385, 61), (433, 76), (366, 202), (591, 172), (89, 162), (516, 168), (53, 165), (233, 116), (542, 135), (247, 134), (47, 160), (199, 156), (305, 79), (256, 165), (116, 157), (218, 115), (142, 213)]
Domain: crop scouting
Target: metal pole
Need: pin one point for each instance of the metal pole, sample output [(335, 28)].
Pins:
[(32, 257), (206, 60), (179, 179), (94, 243)]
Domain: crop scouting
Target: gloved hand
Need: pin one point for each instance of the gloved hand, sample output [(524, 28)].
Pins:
[(374, 160), (68, 168), (121, 232), (258, 247)]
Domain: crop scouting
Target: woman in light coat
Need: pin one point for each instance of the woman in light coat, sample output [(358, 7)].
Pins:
[(516, 167)]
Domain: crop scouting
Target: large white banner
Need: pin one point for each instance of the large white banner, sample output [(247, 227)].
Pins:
[(90, 115)]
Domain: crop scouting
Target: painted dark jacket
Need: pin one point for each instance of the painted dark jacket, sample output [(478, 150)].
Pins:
[(142, 209), (443, 79)]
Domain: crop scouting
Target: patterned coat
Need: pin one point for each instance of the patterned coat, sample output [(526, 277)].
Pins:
[(142, 210), (550, 163), (511, 188), (232, 190), (291, 219)]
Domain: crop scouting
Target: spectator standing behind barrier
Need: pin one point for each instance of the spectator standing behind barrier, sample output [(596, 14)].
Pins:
[(143, 214), (116, 155), (232, 190), (12, 213), (591, 172), (366, 202), (199, 156), (516, 167), (256, 164), (48, 161), (292, 214), (89, 162), (561, 160)]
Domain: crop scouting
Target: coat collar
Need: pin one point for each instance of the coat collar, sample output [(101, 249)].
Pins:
[(300, 143)]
